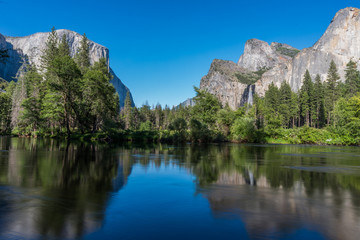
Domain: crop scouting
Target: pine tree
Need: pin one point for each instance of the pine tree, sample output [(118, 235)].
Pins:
[(352, 79), (64, 48), (306, 98), (206, 108), (331, 90), (51, 49), (272, 99), (285, 103), (82, 57), (319, 102), (158, 116), (30, 115), (99, 95), (52, 110), (294, 108), (128, 111), (67, 84)]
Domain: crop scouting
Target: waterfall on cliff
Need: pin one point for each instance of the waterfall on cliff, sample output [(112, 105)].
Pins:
[(250, 100)]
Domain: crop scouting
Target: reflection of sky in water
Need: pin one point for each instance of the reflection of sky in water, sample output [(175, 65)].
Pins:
[(59, 191)]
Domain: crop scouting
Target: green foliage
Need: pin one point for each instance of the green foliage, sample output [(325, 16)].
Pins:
[(249, 78), (287, 51), (206, 108), (199, 132), (352, 79), (331, 91), (82, 57), (243, 130)]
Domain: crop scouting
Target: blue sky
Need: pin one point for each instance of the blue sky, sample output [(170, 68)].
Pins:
[(161, 48)]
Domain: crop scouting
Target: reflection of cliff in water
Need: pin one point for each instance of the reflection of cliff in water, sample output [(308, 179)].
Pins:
[(277, 212), (65, 187)]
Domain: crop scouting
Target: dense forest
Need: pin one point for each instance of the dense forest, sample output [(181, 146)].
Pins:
[(70, 97)]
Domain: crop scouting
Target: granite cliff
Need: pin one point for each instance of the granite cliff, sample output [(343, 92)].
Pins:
[(262, 64), (30, 49)]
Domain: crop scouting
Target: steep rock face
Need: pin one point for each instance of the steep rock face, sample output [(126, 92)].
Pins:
[(221, 81), (30, 48), (281, 62), (260, 55), (188, 102), (260, 65), (340, 43)]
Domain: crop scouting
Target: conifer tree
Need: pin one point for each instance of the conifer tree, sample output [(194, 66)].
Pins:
[(306, 98), (331, 93), (99, 95), (64, 48), (352, 79), (82, 57), (294, 108), (285, 103), (127, 111), (51, 49), (30, 116), (319, 102)]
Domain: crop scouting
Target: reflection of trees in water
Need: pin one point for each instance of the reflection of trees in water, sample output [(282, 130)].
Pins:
[(68, 184)]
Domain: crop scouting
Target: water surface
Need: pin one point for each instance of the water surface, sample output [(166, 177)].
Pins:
[(56, 190)]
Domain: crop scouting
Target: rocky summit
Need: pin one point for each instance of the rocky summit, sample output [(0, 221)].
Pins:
[(262, 64), (30, 48)]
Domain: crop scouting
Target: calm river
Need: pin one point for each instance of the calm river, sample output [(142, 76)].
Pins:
[(54, 190)]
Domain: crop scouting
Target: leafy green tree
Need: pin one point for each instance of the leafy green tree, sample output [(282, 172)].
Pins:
[(67, 84), (30, 117), (243, 130), (206, 107), (99, 95), (6, 108), (224, 119), (52, 111), (331, 90)]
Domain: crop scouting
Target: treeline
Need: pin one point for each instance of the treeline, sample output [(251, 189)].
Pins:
[(65, 95), (320, 112), (70, 97)]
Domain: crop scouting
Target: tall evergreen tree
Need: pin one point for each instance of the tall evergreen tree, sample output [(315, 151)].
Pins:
[(319, 102), (331, 90), (30, 116), (127, 111), (352, 78), (82, 57), (285, 103), (306, 98), (51, 49), (99, 95)]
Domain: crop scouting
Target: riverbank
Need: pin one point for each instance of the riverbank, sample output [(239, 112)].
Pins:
[(303, 135)]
